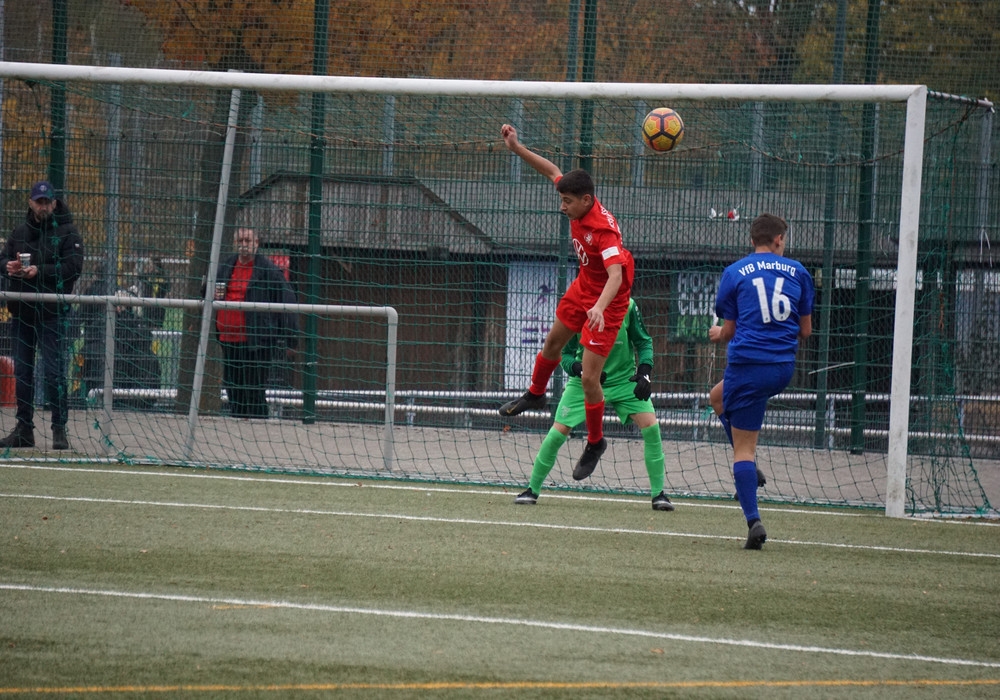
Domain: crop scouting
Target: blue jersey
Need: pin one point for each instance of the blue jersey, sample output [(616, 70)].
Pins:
[(765, 294)]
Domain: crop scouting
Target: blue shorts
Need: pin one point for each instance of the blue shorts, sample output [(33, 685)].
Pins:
[(746, 389)]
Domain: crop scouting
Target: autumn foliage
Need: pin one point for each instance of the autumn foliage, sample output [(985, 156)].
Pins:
[(401, 38), (234, 34), (498, 40)]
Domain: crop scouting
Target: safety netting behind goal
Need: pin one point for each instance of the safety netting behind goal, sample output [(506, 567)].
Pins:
[(413, 203)]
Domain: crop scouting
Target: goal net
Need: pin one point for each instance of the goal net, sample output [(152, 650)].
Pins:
[(398, 195)]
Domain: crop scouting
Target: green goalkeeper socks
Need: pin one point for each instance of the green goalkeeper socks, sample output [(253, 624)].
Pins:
[(546, 458), (554, 440), (653, 453)]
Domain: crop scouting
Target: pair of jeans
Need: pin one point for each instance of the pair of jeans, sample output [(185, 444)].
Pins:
[(48, 337)]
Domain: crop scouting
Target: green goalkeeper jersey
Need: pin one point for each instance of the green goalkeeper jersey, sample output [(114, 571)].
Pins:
[(633, 347)]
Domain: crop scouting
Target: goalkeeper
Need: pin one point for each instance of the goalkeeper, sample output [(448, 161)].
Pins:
[(626, 387)]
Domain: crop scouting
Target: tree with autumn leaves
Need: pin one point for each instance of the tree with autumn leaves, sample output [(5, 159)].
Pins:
[(246, 35), (496, 40), (374, 38), (945, 44)]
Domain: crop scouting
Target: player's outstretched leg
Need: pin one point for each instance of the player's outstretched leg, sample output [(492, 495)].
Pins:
[(589, 459), (534, 397), (544, 461)]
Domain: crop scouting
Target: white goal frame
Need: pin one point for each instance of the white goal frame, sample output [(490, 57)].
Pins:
[(914, 96)]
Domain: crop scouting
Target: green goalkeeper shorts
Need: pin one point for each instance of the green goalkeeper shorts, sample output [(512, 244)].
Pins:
[(572, 413)]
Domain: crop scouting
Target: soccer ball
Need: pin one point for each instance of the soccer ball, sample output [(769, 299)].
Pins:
[(662, 129)]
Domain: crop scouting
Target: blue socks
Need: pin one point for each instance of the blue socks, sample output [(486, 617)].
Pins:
[(745, 476)]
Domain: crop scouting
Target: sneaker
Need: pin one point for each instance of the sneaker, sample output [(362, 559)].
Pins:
[(661, 502), (59, 439), (589, 459), (528, 498), (20, 436), (522, 404), (756, 536)]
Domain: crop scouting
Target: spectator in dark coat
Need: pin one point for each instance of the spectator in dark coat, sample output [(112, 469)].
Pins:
[(44, 254), (252, 340)]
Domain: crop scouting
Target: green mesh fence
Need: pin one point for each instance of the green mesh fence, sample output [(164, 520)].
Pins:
[(420, 208)]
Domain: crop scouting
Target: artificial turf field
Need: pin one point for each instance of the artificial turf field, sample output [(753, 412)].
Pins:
[(120, 581)]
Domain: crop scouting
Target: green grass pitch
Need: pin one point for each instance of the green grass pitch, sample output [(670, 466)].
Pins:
[(121, 581)]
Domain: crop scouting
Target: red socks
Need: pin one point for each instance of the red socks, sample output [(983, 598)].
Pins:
[(541, 374), (540, 381), (595, 421)]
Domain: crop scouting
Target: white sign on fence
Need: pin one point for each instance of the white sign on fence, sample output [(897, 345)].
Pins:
[(532, 297)]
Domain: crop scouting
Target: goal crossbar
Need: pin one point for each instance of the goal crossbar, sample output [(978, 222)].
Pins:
[(272, 82)]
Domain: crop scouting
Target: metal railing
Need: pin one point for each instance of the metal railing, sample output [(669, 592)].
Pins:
[(112, 301)]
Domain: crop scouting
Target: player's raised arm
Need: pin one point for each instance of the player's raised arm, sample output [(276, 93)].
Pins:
[(540, 163)]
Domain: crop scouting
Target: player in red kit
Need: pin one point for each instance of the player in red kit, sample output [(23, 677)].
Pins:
[(594, 305)]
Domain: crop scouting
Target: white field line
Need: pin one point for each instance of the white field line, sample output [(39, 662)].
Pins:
[(469, 521), (516, 622), (347, 482)]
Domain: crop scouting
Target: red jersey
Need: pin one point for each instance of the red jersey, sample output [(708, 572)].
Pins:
[(597, 241)]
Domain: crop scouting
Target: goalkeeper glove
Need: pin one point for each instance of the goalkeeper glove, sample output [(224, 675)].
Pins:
[(576, 370), (643, 388)]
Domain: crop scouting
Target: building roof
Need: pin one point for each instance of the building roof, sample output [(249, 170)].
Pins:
[(523, 218)]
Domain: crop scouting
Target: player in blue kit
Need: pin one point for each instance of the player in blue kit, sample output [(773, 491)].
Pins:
[(765, 302)]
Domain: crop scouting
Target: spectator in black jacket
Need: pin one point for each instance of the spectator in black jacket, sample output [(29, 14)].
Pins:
[(43, 254), (251, 340)]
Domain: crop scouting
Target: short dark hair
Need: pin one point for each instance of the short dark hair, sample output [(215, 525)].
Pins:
[(766, 227), (576, 182)]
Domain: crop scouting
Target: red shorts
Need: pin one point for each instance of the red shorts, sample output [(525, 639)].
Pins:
[(572, 311)]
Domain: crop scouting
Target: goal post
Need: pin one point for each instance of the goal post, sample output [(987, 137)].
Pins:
[(906, 266), (913, 97)]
